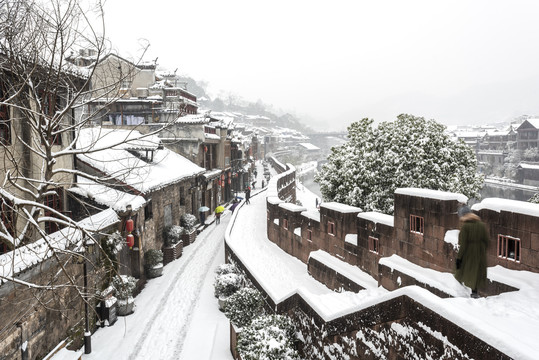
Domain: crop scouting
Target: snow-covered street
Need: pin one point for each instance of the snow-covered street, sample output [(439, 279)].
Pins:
[(177, 316)]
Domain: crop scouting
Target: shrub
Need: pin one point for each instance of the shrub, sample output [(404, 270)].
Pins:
[(172, 234), (243, 306), (227, 284), (153, 257), (124, 286), (226, 269), (269, 337), (188, 221)]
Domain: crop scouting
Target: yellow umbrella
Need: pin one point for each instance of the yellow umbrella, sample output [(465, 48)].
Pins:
[(219, 209)]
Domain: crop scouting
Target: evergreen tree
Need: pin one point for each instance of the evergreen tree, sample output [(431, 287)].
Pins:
[(409, 152)]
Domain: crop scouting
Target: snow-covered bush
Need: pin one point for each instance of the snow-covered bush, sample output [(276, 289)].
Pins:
[(226, 269), (534, 199), (269, 337), (124, 286), (153, 257), (188, 221), (227, 284), (243, 306), (172, 234)]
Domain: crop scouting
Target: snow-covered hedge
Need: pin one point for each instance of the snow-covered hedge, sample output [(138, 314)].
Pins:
[(243, 306), (227, 284), (153, 257), (226, 269), (188, 221), (172, 234), (269, 337)]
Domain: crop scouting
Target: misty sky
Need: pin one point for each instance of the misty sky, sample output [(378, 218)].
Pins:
[(459, 62)]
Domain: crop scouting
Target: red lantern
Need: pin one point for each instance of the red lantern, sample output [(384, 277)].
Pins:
[(228, 181), (205, 149), (130, 240), (129, 225), (222, 177)]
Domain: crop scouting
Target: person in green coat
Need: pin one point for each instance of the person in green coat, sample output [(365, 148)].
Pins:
[(471, 260)]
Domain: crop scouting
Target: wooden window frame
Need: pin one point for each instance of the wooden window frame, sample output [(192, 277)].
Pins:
[(148, 210), (331, 228), (417, 224), (374, 245), (285, 224), (503, 249), (309, 235), (54, 201)]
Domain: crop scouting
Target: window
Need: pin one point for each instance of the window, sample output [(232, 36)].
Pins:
[(168, 215), (285, 223), (509, 248), (5, 121), (49, 104), (148, 210), (54, 202), (309, 234), (331, 228), (417, 224), (373, 244)]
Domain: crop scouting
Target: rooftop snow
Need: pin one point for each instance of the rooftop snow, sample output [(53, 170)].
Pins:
[(515, 206), (107, 153), (309, 146), (314, 215), (432, 194), (292, 207)]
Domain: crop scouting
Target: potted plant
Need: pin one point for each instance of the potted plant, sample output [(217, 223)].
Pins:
[(153, 263), (173, 244), (124, 286), (188, 222)]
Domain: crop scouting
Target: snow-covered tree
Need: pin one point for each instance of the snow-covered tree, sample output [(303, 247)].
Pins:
[(408, 152), (243, 306), (534, 199), (43, 107)]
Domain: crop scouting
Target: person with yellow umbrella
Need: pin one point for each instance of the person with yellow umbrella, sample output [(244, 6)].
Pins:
[(218, 211)]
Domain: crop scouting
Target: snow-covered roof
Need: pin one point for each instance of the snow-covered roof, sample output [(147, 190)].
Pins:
[(529, 166), (24, 257), (311, 214), (104, 195), (309, 146), (432, 194), (193, 119), (534, 122), (377, 217), (108, 153), (515, 206), (343, 208)]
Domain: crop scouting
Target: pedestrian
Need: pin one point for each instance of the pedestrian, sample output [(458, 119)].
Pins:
[(234, 205), (217, 218), (247, 195), (202, 217), (471, 262), (262, 183), (254, 183)]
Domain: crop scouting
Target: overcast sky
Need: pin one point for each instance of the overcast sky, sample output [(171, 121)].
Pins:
[(459, 62)]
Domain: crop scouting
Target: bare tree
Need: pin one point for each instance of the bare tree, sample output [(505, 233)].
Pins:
[(43, 106)]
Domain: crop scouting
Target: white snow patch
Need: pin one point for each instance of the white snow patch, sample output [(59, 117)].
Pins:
[(515, 206), (432, 194)]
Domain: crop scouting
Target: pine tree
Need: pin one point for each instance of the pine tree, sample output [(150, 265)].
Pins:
[(409, 152)]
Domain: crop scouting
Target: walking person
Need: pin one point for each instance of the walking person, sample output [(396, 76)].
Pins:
[(217, 218), (247, 195), (471, 262)]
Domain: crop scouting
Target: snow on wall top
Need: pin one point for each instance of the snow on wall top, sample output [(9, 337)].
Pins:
[(311, 214), (377, 217), (343, 208), (515, 206), (292, 207), (108, 153), (433, 194)]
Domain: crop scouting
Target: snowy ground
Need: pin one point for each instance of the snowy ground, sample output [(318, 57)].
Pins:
[(177, 316)]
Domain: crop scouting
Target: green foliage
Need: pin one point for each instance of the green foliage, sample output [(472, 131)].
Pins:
[(268, 337), (534, 199), (124, 286), (409, 152), (153, 257), (172, 234), (226, 269), (243, 306), (188, 221), (227, 284)]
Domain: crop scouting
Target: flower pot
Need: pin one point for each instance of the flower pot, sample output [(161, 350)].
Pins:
[(189, 236), (173, 252), (222, 301), (154, 271), (126, 307)]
